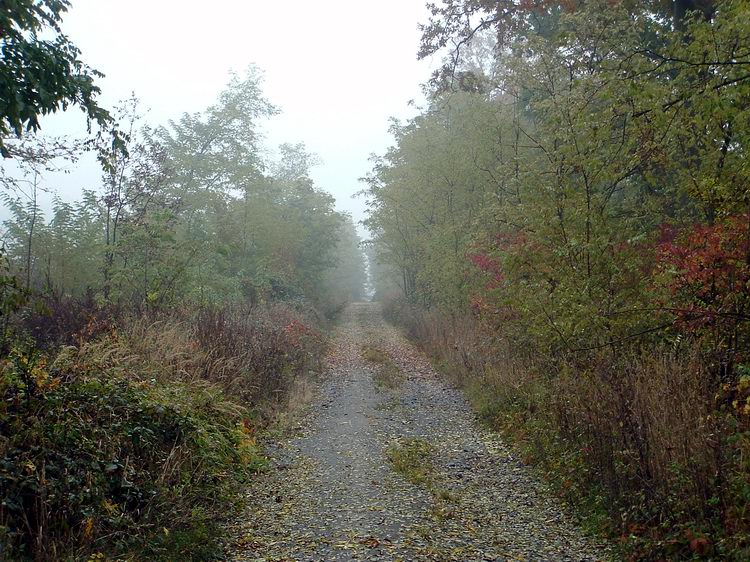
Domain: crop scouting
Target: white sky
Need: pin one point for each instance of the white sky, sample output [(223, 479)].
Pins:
[(338, 69)]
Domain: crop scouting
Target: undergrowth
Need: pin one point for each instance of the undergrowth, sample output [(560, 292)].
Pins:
[(645, 445), (134, 442)]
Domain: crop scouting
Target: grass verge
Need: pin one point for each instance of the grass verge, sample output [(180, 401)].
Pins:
[(136, 442)]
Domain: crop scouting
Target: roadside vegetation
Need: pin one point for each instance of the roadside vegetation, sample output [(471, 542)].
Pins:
[(564, 229), (136, 439), (151, 331)]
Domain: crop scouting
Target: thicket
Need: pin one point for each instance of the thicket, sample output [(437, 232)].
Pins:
[(565, 227), (152, 329), (136, 439)]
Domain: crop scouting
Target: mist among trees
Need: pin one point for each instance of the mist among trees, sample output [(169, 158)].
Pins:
[(567, 218), (561, 232)]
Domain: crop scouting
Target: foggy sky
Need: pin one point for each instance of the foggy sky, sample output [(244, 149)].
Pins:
[(338, 69)]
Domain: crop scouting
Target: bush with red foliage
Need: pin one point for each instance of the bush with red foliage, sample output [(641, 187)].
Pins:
[(710, 269), (486, 302), (707, 271)]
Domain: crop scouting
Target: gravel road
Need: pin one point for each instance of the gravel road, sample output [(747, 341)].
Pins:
[(334, 495)]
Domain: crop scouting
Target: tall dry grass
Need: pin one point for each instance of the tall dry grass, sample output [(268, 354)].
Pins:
[(648, 441), (254, 354)]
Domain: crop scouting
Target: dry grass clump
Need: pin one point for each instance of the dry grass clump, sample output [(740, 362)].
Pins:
[(254, 355), (374, 355), (414, 459)]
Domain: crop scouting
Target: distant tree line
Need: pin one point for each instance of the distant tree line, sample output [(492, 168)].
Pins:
[(190, 210)]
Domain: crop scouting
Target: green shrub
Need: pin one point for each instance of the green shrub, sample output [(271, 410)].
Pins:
[(92, 461)]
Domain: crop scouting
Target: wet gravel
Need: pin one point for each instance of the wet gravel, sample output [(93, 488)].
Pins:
[(332, 495)]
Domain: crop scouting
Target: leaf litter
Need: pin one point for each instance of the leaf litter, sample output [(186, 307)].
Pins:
[(332, 493)]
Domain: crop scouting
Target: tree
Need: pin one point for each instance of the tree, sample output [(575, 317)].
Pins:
[(36, 155), (189, 212), (458, 23), (40, 71)]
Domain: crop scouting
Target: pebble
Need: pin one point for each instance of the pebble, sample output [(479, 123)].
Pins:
[(338, 499)]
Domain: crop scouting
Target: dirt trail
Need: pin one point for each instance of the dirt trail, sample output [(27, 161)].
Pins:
[(334, 494)]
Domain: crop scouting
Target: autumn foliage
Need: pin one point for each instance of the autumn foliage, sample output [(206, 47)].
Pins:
[(707, 271), (571, 240)]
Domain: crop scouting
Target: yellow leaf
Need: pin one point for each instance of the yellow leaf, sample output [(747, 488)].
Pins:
[(88, 528), (109, 506)]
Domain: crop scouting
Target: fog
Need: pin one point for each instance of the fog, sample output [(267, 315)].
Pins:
[(337, 70)]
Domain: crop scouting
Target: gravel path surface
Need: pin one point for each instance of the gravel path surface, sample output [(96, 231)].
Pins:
[(334, 495)]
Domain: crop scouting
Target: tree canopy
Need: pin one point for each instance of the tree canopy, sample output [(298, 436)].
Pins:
[(193, 210), (40, 69)]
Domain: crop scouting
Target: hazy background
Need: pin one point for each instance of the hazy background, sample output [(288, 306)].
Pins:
[(338, 69)]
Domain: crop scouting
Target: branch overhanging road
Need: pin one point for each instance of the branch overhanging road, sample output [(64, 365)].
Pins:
[(334, 494)]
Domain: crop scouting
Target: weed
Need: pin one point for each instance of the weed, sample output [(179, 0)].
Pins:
[(413, 458), (375, 354), (390, 405), (387, 375)]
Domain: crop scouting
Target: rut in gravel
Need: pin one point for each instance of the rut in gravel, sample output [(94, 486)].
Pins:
[(390, 465)]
